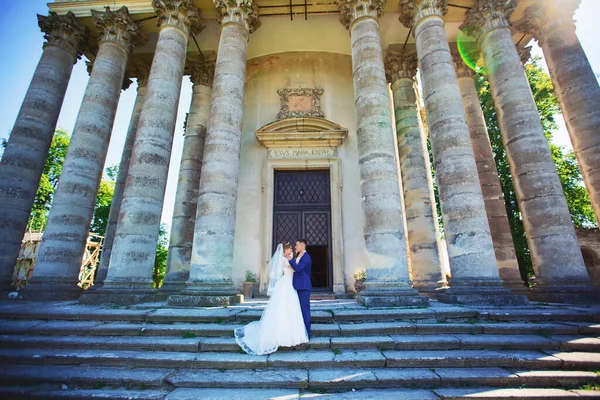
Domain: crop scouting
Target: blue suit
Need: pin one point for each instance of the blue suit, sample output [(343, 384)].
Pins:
[(302, 284)]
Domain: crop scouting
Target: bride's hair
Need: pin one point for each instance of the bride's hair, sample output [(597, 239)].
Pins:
[(287, 245)]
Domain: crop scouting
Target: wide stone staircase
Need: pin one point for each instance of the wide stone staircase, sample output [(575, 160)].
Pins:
[(151, 351)]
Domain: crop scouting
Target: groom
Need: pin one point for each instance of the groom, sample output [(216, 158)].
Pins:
[(302, 265)]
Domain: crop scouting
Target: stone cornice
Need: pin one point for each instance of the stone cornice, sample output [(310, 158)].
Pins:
[(462, 69), (181, 14), (242, 12), (400, 66), (62, 31), (544, 17), (352, 10), (487, 15), (413, 11), (297, 132), (117, 26), (202, 72)]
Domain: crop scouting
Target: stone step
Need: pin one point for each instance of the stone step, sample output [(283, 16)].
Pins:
[(182, 329), (20, 393), (384, 342), (504, 394), (317, 379), (526, 359)]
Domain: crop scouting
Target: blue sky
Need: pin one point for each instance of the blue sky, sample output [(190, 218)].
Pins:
[(22, 46)]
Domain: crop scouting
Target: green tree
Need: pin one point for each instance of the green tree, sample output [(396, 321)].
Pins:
[(104, 199), (570, 176), (160, 262)]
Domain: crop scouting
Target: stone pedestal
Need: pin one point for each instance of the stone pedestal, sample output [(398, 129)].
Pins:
[(506, 257), (470, 248), (555, 252), (387, 282), (419, 201), (575, 84), (210, 279), (63, 243), (25, 155), (140, 71), (186, 199), (134, 247)]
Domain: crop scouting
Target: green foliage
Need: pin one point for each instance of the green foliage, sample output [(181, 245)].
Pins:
[(160, 262), (106, 190), (250, 277)]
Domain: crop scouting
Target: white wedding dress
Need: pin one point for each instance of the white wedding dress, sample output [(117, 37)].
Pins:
[(281, 323)]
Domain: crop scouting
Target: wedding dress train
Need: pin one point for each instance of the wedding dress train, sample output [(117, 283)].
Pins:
[(281, 323)]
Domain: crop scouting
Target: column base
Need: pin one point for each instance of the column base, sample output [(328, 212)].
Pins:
[(517, 287), (489, 292), (172, 287), (122, 293), (206, 295), (430, 289), (383, 295), (48, 290), (577, 292)]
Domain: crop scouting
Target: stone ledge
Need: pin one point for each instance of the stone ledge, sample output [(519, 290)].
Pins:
[(188, 300)]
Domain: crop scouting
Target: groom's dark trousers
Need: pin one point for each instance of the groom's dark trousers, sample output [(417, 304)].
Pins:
[(302, 284)]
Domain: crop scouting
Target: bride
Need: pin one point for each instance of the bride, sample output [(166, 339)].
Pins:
[(281, 323)]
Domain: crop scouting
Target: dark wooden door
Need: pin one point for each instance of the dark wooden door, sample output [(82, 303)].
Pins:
[(302, 209)]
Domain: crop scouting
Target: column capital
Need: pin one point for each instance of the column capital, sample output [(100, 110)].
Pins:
[(117, 26), (242, 12), (543, 17), (462, 69), (413, 11), (400, 66), (524, 54), (203, 72), (62, 31), (140, 69), (487, 15), (181, 14), (352, 10)]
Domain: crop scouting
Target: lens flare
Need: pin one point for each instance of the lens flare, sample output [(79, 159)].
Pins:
[(469, 52)]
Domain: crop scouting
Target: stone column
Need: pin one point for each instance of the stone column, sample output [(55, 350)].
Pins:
[(141, 71), (555, 252), (504, 248), (473, 265), (210, 279), (419, 201), (388, 281), (576, 86), (186, 198), (25, 156), (129, 278), (65, 237)]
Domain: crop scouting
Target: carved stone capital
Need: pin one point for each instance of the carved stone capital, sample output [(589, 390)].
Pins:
[(413, 11), (462, 69), (351, 10), (140, 69), (181, 14), (487, 15), (301, 102), (544, 17), (62, 31), (202, 72), (400, 66), (117, 26), (525, 54), (242, 12)]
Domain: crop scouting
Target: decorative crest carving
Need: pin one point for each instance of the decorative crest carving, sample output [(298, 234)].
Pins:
[(178, 13), (63, 31), (203, 72), (412, 11), (301, 102), (487, 15), (400, 66), (543, 17), (117, 26), (242, 12), (351, 10)]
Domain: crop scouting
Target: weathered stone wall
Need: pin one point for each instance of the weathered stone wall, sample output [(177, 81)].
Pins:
[(265, 75), (589, 240)]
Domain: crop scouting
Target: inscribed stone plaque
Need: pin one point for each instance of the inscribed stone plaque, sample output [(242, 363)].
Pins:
[(301, 102)]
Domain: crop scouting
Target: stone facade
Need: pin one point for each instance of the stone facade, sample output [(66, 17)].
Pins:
[(280, 96)]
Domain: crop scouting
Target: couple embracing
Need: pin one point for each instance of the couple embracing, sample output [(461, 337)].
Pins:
[(286, 319)]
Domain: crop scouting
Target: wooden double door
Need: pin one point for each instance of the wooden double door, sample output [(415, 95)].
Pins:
[(302, 210)]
